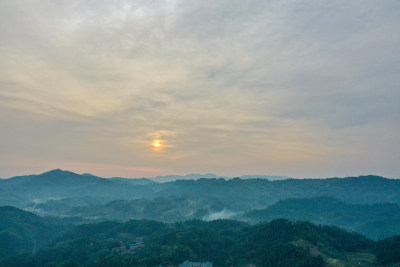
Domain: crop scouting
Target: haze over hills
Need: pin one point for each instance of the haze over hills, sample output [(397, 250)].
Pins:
[(236, 194), (57, 184), (64, 193)]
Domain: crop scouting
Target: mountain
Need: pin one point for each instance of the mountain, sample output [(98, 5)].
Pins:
[(222, 242), (375, 221), (63, 184)]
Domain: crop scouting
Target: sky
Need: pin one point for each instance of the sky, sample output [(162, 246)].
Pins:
[(147, 88)]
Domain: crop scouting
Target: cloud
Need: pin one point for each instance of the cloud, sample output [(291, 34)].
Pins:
[(272, 87), (219, 215)]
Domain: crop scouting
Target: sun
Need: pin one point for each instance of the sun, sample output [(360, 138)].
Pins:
[(156, 143)]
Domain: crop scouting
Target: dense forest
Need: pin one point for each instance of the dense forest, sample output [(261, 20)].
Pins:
[(280, 242), (223, 242)]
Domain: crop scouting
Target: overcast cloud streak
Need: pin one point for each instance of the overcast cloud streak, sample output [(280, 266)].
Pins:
[(296, 88)]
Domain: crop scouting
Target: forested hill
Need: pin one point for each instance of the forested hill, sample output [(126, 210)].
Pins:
[(20, 231), (373, 220), (280, 242), (223, 242)]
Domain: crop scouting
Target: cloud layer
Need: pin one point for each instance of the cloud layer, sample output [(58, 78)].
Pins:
[(295, 88)]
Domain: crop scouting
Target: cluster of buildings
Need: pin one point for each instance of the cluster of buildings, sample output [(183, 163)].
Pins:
[(131, 248)]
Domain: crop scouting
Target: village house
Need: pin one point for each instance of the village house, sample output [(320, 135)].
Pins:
[(132, 247)]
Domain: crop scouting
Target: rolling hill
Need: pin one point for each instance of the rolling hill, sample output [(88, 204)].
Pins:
[(58, 184), (375, 220)]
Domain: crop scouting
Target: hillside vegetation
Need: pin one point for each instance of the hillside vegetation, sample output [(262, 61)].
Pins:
[(20, 231), (375, 221), (224, 242)]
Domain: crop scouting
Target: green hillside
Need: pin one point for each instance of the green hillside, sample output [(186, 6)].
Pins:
[(375, 221), (20, 230), (223, 242)]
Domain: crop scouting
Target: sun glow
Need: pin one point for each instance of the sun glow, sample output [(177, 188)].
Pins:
[(157, 145)]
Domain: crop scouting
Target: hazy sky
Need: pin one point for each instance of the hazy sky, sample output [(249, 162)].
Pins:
[(296, 88)]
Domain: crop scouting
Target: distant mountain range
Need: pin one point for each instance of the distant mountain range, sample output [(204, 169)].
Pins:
[(195, 176), (171, 178), (337, 201), (57, 184), (236, 194)]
